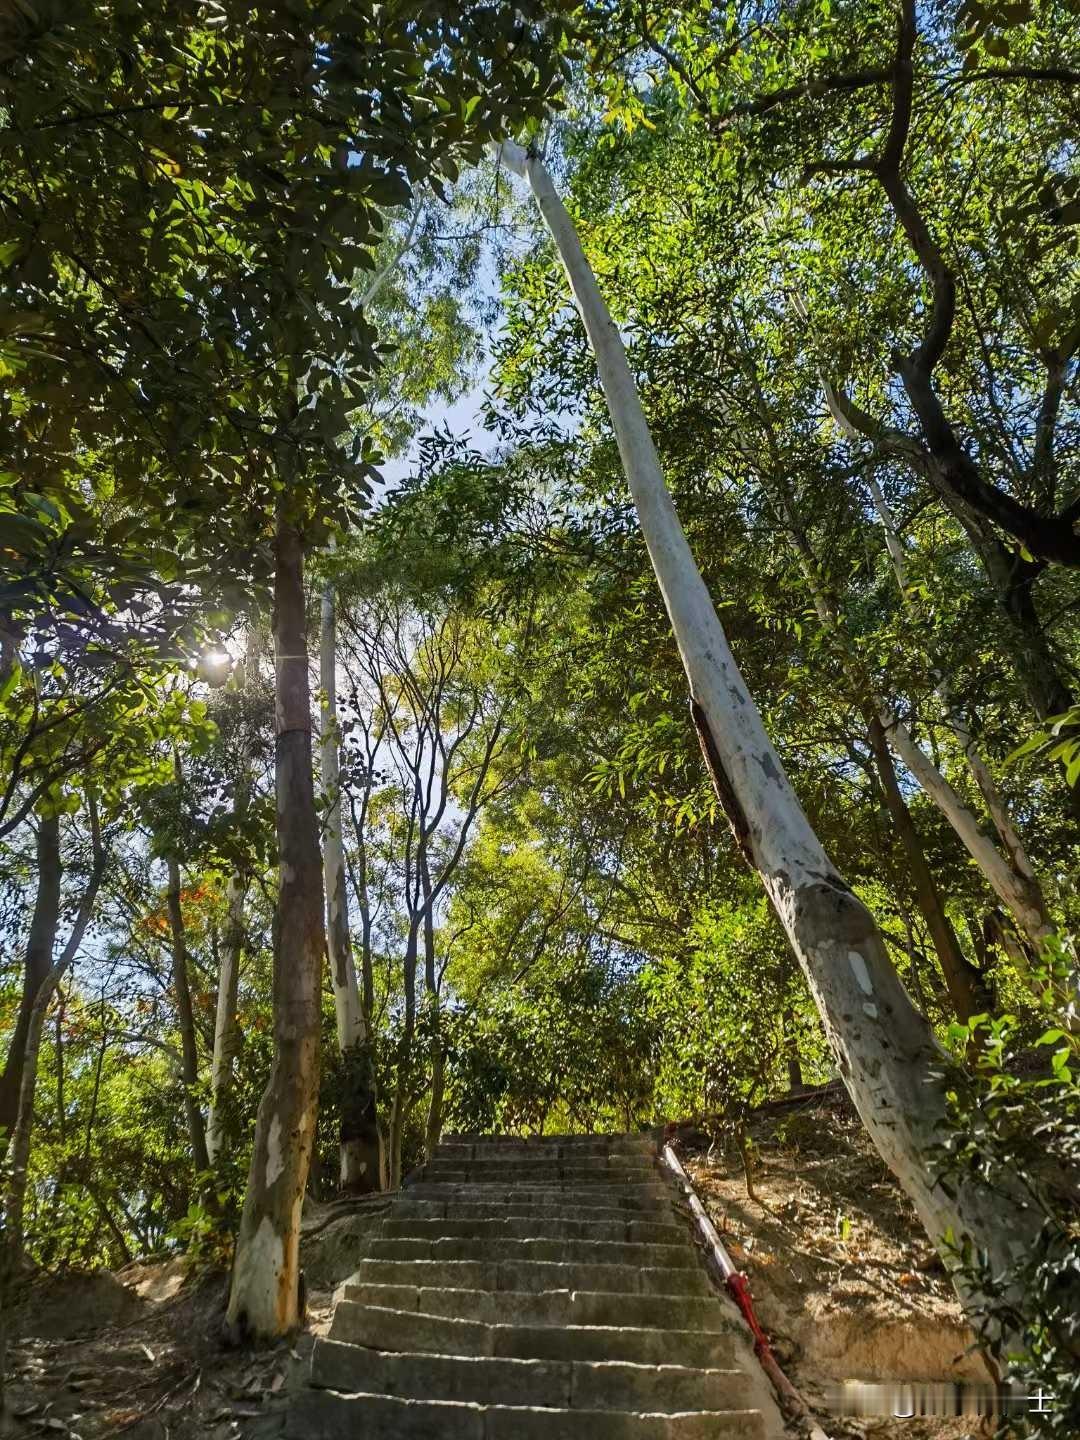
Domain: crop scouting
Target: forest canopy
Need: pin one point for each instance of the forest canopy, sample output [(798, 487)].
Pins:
[(540, 592)]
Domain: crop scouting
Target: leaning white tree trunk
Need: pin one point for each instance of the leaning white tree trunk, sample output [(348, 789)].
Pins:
[(360, 1167), (885, 1050)]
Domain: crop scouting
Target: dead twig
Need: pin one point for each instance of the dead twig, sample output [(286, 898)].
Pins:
[(163, 1400)]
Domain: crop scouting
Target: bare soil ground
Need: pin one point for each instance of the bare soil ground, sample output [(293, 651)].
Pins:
[(139, 1354), (843, 1278)]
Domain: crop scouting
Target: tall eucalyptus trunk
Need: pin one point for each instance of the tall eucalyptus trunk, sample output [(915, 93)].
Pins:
[(360, 1163), (885, 1050), (264, 1294)]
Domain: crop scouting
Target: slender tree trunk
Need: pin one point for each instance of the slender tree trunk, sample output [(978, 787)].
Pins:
[(111, 1222), (963, 982), (395, 1142), (1024, 637), (885, 1051), (189, 1047), (437, 1102), (1020, 893), (226, 1031), (996, 805), (9, 645), (402, 1106), (39, 958), (1011, 576), (437, 1098), (22, 1134), (790, 1032), (264, 1297), (360, 1167), (1048, 992), (58, 1046)]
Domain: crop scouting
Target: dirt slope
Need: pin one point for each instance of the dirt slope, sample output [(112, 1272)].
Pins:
[(139, 1354), (843, 1277)]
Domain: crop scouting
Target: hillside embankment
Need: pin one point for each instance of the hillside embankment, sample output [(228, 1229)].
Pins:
[(842, 1276)]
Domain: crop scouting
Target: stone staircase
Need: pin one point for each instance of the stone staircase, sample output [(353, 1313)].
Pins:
[(521, 1289)]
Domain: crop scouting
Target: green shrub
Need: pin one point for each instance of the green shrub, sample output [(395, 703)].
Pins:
[(1014, 1121)]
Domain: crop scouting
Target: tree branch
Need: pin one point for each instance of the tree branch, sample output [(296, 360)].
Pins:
[(1050, 74), (813, 87), (1044, 461), (890, 173)]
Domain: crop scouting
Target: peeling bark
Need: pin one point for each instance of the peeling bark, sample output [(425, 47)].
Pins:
[(264, 1294)]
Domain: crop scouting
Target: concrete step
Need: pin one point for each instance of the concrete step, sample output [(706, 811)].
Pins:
[(611, 1226), (594, 1154), (529, 1290), (329, 1415), (495, 1249), (557, 1384), (549, 1154), (498, 1172), (555, 1205), (499, 1143), (380, 1328), (534, 1276), (551, 1307), (652, 1195)]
